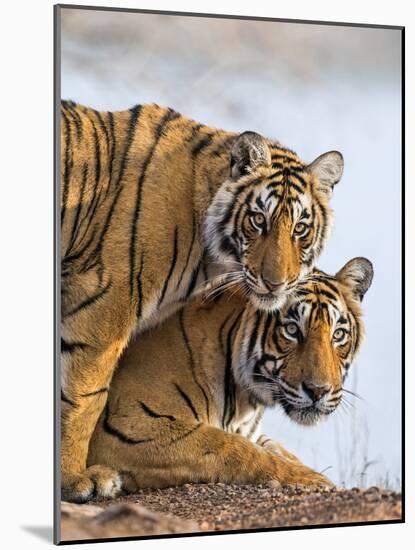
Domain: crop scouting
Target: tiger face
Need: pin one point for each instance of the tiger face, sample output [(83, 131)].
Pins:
[(271, 218), (299, 357)]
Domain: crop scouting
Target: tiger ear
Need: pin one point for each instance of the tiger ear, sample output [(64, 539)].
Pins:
[(328, 169), (357, 274), (249, 151)]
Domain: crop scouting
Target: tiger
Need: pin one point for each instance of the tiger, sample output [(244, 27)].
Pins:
[(152, 205), (186, 401)]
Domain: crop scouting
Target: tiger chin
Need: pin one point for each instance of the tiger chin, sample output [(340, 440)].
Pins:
[(187, 400)]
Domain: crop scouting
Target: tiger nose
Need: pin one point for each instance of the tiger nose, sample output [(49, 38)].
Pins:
[(272, 285), (314, 391)]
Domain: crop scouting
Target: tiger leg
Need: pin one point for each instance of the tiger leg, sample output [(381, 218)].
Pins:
[(204, 454), (274, 447), (86, 377)]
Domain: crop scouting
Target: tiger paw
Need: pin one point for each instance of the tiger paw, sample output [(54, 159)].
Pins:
[(299, 475), (94, 483)]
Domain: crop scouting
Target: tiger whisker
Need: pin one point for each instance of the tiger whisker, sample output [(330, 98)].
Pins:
[(354, 394), (218, 283), (267, 377), (221, 288)]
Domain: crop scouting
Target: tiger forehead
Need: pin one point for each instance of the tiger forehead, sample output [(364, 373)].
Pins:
[(320, 292), (284, 158), (294, 205), (316, 310)]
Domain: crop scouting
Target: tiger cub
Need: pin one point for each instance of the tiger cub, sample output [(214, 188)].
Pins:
[(186, 402), (151, 202)]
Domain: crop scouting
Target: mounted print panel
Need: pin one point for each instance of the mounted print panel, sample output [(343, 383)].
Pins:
[(229, 221)]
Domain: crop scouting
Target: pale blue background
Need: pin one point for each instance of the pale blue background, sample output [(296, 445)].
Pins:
[(314, 88)]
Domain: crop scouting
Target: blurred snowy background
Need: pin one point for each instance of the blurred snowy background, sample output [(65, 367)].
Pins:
[(313, 88)]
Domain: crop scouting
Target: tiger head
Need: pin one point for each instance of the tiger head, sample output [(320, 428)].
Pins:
[(271, 217), (299, 356)]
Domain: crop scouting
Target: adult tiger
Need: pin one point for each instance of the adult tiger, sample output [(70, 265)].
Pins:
[(186, 402), (140, 188)]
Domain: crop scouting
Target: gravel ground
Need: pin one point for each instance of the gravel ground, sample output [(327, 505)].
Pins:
[(219, 507)]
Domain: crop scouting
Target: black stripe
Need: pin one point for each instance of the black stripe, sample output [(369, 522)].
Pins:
[(229, 381), (328, 283), (275, 336), (254, 333), (90, 263), (80, 252), (241, 211), (172, 266), (76, 118), (220, 334), (89, 301), (140, 287), (75, 226), (186, 434), (195, 127), (236, 192), (327, 294), (295, 186), (66, 399), (112, 152), (153, 414), (324, 216), (202, 144), (97, 148), (89, 214), (189, 252), (107, 139), (168, 117), (275, 183), (193, 280), (187, 400), (224, 146), (227, 246), (90, 394), (286, 383), (192, 362), (300, 178), (260, 203), (279, 166), (65, 192), (265, 330), (278, 149), (135, 113), (293, 312), (70, 347), (291, 393), (119, 434), (96, 193)]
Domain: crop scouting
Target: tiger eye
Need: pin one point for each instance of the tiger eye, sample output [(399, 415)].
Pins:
[(300, 228), (338, 334), (292, 329), (257, 220)]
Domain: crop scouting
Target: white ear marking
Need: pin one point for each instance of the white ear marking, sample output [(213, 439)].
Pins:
[(357, 274), (328, 169), (249, 151)]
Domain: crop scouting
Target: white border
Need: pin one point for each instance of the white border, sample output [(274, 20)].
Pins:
[(27, 255)]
